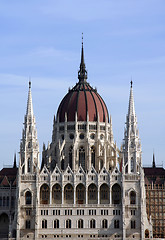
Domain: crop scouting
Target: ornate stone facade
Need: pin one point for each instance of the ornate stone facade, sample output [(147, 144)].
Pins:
[(86, 187)]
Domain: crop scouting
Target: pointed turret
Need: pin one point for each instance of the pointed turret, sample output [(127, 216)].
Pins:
[(29, 110), (82, 74), (132, 145), (131, 107), (29, 150)]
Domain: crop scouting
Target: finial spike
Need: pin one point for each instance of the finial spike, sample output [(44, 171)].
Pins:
[(82, 39), (29, 82), (131, 82)]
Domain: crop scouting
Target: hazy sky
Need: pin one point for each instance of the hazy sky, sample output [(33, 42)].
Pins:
[(123, 39)]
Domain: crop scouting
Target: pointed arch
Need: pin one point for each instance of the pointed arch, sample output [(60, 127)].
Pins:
[(44, 194), (57, 194), (68, 194), (104, 194), (92, 194), (80, 194), (116, 194)]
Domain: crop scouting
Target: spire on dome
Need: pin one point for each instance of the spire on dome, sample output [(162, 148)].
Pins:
[(153, 162), (29, 110), (131, 107), (82, 73)]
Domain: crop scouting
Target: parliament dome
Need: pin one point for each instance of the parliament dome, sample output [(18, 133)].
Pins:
[(83, 100)]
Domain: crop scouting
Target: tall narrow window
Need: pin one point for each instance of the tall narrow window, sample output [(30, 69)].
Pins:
[(27, 224), (116, 224), (80, 223), (92, 223), (28, 197), (44, 194), (93, 156), (132, 164), (133, 224), (44, 223), (56, 223), (104, 223), (28, 165), (68, 223), (62, 164), (70, 156), (116, 194), (132, 197), (82, 157)]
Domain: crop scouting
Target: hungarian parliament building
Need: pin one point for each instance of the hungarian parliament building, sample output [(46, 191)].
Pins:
[(85, 186)]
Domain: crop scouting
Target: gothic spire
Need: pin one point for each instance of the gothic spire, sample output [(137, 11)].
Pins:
[(131, 107), (29, 146), (132, 144), (82, 74), (29, 110)]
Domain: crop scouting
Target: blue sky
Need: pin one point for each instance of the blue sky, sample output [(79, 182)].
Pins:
[(123, 39)]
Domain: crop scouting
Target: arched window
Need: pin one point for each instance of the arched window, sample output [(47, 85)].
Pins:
[(80, 194), (28, 197), (93, 156), (104, 194), (57, 194), (70, 156), (132, 197), (92, 223), (56, 223), (105, 223), (68, 194), (82, 157), (44, 223), (80, 223), (68, 223), (116, 224), (28, 165), (116, 194), (147, 235), (44, 194), (92, 194)]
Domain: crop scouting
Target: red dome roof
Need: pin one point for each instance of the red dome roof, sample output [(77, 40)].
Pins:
[(82, 99)]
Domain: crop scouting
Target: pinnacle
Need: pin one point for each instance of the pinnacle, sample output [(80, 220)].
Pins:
[(131, 107), (29, 110)]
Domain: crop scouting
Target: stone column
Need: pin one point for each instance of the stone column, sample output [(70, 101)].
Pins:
[(62, 195), (74, 195), (98, 195), (86, 195)]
